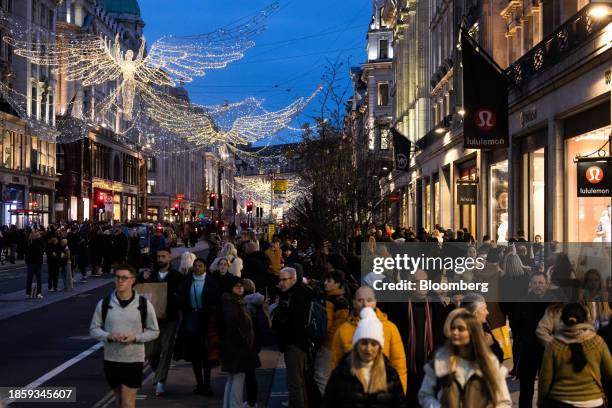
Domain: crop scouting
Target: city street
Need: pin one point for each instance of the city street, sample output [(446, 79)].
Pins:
[(306, 204)]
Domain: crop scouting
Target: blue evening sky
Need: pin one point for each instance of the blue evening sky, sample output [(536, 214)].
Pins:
[(284, 64)]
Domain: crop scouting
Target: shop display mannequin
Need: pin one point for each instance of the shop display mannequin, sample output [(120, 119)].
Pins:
[(604, 229)]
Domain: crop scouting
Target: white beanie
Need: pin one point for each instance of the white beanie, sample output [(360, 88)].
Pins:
[(369, 327)]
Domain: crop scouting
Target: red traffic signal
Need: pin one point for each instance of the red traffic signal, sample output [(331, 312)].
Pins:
[(176, 205), (249, 206)]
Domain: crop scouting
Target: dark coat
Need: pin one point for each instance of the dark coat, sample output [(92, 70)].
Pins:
[(345, 391), (528, 316), (255, 268), (53, 254), (173, 279), (238, 352), (198, 336), (120, 247), (34, 252), (290, 317)]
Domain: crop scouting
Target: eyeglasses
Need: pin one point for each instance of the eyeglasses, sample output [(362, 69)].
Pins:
[(122, 278)]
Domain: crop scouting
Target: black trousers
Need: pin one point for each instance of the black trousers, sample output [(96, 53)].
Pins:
[(250, 383), (53, 269)]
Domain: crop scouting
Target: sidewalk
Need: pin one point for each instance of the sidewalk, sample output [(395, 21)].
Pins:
[(15, 303), (180, 385)]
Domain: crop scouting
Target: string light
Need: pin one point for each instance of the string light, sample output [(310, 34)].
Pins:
[(171, 60)]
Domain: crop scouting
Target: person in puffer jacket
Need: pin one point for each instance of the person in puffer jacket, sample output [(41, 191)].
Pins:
[(464, 373), (365, 377), (337, 313)]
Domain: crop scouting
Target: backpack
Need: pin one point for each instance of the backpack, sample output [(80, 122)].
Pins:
[(316, 326), (142, 308)]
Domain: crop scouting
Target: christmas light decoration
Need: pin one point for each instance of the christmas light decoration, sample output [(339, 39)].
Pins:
[(17, 102), (170, 61)]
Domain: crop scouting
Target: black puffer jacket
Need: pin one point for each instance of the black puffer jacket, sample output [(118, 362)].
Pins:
[(345, 391)]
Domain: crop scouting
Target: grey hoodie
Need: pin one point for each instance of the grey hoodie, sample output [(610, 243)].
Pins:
[(124, 320)]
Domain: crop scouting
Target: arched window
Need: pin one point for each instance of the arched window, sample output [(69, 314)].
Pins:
[(117, 173)]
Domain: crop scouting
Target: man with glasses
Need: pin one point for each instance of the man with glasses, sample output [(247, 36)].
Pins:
[(289, 323), (124, 321)]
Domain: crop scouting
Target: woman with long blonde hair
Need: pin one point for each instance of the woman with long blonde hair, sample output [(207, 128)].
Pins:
[(364, 376), (464, 373)]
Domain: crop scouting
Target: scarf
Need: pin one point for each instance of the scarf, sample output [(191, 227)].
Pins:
[(428, 345)]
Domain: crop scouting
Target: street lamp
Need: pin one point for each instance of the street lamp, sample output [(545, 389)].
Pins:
[(600, 8)]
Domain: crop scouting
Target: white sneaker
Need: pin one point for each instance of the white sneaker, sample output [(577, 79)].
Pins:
[(160, 389)]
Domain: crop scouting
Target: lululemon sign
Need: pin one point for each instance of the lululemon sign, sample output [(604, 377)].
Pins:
[(594, 177), (485, 100)]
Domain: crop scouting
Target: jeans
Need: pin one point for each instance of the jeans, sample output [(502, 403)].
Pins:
[(67, 277), (234, 391), (250, 384), (322, 368), (295, 360), (34, 270), (159, 351)]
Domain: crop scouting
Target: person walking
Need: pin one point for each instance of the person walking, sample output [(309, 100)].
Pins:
[(200, 304), (337, 313), (464, 372), (365, 377), (289, 323), (53, 262), (476, 304), (65, 265), (34, 260), (119, 321), (238, 354), (393, 347), (159, 352), (574, 364)]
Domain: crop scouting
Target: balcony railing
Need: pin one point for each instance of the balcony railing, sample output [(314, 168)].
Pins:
[(557, 46)]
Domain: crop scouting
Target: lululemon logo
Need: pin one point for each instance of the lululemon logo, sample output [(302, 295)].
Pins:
[(594, 174), (402, 161), (485, 119)]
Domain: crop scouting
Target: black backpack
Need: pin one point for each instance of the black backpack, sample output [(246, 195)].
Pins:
[(142, 308), (316, 325)]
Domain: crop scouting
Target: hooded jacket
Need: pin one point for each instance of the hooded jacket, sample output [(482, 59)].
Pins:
[(337, 311), (557, 379), (393, 347), (463, 387)]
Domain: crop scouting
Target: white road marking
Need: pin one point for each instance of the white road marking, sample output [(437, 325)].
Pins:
[(57, 370)]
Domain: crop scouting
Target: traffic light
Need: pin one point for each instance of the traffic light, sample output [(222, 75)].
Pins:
[(176, 209), (100, 203), (249, 207), (211, 201)]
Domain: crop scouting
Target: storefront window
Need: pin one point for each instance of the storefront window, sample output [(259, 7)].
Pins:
[(436, 200), (499, 201), (588, 218), (467, 212), (117, 207), (39, 204), (130, 205), (533, 194), (427, 204)]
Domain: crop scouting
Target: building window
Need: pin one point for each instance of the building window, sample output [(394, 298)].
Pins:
[(385, 135), (383, 49), (151, 184), (116, 169), (534, 193), (151, 164), (61, 158), (383, 94), (130, 169), (13, 150)]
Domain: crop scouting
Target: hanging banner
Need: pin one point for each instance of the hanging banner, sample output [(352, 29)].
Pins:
[(401, 151), (485, 100), (467, 193), (594, 177)]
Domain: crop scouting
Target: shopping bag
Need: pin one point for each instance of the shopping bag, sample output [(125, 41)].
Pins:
[(502, 335), (157, 294)]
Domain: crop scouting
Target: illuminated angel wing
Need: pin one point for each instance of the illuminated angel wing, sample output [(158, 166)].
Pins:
[(184, 58), (84, 58)]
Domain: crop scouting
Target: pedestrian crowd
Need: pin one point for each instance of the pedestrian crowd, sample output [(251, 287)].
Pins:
[(344, 348)]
